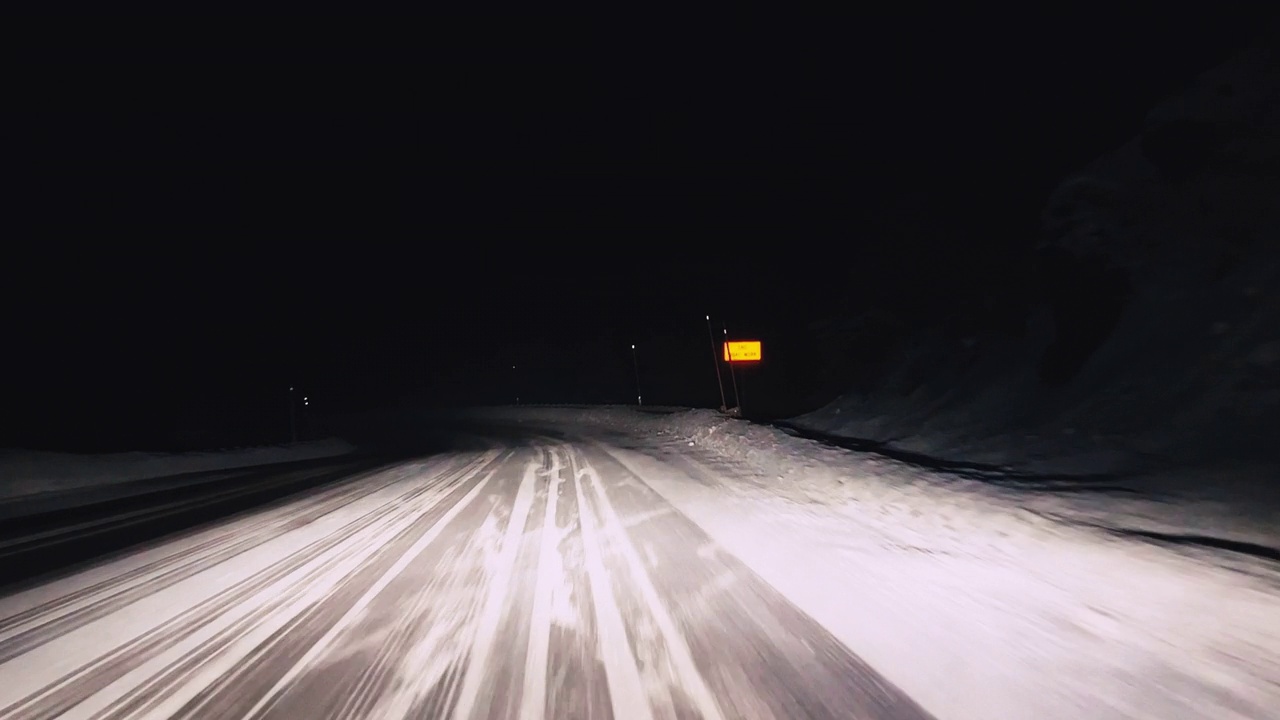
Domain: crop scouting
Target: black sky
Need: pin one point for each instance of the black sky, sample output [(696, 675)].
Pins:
[(206, 212)]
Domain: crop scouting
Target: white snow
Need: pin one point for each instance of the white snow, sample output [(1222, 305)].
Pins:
[(550, 584), (60, 660), (978, 599), (486, 637), (353, 614), (685, 671), (626, 688), (24, 473)]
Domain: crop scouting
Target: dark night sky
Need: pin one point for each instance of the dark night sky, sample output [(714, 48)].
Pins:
[(205, 215)]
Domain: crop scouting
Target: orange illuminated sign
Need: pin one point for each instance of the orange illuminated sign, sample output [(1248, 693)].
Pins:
[(742, 351)]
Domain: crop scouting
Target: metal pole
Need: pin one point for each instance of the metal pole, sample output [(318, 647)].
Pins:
[(715, 360), (636, 362), (293, 423), (734, 377)]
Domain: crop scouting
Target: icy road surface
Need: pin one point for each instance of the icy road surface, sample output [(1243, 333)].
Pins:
[(544, 580)]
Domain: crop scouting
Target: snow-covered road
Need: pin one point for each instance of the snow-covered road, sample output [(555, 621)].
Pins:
[(537, 579)]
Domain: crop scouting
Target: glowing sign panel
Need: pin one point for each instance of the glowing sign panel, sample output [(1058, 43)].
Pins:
[(742, 351)]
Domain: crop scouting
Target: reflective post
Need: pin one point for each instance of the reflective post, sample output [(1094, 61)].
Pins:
[(636, 361), (733, 375), (715, 360)]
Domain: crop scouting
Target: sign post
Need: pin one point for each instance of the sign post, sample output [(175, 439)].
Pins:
[(724, 404), (733, 376), (740, 352), (636, 361)]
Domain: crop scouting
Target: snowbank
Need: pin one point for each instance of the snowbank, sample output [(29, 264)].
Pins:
[(24, 473), (1155, 339), (977, 597)]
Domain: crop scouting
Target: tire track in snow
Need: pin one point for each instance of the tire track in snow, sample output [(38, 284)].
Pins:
[(354, 671), (604, 601), (577, 684), (168, 681), (240, 617), (686, 672), (58, 693), (145, 512), (378, 673), (41, 623), (761, 655), (216, 662), (627, 694), (500, 578), (405, 653), (533, 698), (45, 603), (349, 618), (423, 627)]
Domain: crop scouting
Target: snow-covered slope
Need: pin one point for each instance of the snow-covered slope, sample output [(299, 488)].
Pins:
[(1154, 340), (24, 473)]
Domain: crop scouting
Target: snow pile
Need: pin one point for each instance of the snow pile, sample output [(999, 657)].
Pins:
[(24, 473), (973, 597), (1156, 338)]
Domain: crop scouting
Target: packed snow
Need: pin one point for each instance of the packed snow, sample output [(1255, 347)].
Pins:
[(977, 596), (24, 473)]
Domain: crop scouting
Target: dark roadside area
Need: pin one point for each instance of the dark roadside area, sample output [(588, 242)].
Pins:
[(46, 535), (50, 534)]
